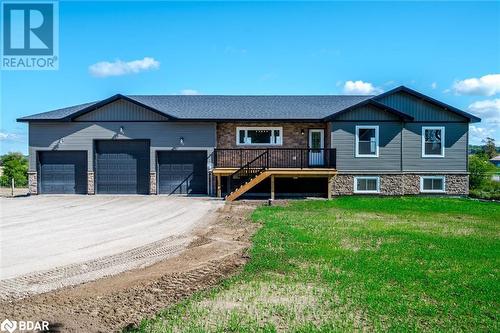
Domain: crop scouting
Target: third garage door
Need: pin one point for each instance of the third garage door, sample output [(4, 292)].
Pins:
[(182, 172), (122, 167)]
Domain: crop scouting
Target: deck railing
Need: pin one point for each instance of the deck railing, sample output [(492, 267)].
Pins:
[(300, 158)]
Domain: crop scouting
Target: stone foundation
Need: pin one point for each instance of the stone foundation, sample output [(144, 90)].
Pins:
[(33, 182), (401, 184), (152, 183), (90, 183)]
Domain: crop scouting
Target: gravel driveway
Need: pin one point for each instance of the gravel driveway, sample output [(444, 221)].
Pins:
[(52, 241)]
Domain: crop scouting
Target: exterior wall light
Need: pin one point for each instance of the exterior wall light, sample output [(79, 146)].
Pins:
[(302, 132), (181, 140), (122, 130)]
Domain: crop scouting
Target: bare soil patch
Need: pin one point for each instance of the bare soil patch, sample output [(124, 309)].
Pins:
[(112, 303)]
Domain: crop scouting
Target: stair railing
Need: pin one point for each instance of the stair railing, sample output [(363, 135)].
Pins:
[(248, 171)]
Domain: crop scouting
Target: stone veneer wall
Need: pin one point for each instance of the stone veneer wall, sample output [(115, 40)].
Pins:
[(152, 183), (401, 184), (33, 182), (292, 137), (90, 183)]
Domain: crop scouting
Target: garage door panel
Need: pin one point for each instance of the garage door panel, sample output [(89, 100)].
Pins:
[(182, 172), (122, 167), (63, 172)]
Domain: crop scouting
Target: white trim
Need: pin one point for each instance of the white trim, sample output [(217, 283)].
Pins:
[(358, 127), (443, 140), (432, 177), (366, 177), (272, 129)]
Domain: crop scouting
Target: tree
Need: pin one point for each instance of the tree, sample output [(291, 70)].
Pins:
[(15, 166), (480, 169), (489, 148)]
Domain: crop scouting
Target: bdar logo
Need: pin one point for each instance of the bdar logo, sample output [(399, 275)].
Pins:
[(8, 325)]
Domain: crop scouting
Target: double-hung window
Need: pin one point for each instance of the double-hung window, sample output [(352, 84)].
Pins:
[(366, 184), (366, 141), (433, 141), (432, 184), (259, 136)]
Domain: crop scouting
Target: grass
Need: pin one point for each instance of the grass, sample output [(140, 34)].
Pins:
[(358, 263)]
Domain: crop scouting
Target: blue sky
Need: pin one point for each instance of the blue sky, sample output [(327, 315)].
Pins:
[(448, 50)]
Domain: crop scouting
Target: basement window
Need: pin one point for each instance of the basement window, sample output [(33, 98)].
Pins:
[(366, 184), (432, 184), (259, 136), (432, 141), (366, 141)]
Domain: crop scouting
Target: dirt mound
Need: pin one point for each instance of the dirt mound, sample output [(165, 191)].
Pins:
[(112, 303)]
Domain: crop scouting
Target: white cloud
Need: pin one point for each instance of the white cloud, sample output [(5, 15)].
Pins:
[(478, 134), (488, 110), (189, 92), (434, 85), (118, 68), (360, 88), (5, 136), (487, 85)]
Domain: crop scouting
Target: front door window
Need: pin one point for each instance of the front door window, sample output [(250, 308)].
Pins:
[(316, 145)]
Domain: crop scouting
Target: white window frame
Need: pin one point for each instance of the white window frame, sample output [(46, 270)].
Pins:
[(356, 178), (443, 139), (432, 191), (272, 129), (358, 127)]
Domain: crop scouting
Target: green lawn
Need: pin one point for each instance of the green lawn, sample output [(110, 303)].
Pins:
[(358, 263)]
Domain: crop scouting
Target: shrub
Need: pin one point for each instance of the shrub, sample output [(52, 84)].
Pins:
[(480, 170), (15, 165)]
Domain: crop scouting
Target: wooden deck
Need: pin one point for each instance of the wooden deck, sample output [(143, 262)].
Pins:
[(273, 173)]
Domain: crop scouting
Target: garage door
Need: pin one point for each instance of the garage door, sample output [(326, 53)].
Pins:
[(182, 172), (63, 172), (122, 167)]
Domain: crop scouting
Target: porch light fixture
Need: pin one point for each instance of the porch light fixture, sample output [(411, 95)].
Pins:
[(302, 132), (122, 130), (181, 140)]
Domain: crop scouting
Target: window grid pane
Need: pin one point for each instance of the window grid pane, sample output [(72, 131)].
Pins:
[(433, 142), (367, 142)]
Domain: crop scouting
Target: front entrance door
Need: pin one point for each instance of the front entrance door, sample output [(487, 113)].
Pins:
[(316, 145)]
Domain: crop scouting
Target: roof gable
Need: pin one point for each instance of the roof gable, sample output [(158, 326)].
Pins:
[(121, 110), (422, 107), (365, 110)]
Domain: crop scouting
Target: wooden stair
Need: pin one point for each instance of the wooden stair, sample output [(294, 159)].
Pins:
[(247, 186)]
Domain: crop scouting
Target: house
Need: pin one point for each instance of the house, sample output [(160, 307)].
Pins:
[(495, 161), (399, 142)]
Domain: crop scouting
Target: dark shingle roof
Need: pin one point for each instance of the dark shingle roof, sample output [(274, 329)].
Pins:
[(207, 107), (57, 114)]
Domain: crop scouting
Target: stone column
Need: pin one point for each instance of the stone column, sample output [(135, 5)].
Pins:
[(152, 183), (90, 183), (33, 182)]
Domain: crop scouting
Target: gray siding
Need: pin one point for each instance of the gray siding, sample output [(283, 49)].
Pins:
[(121, 110), (455, 152), (367, 113), (389, 160), (81, 136), (344, 140), (419, 109)]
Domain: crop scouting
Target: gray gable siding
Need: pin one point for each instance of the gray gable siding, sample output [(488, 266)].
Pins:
[(366, 113), (121, 110), (455, 153), (343, 140), (419, 109), (81, 136)]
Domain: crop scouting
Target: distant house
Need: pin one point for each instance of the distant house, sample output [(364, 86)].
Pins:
[(399, 142), (496, 160)]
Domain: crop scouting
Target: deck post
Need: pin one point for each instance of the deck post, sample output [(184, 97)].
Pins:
[(272, 187), (330, 187), (219, 187)]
